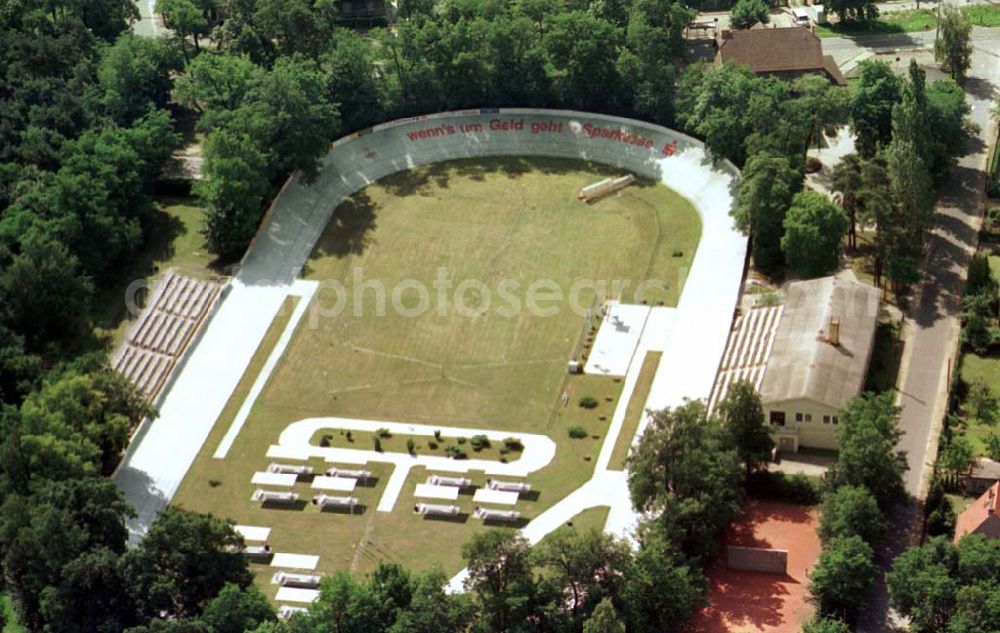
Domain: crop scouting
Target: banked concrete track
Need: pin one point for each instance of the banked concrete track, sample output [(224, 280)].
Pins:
[(164, 449)]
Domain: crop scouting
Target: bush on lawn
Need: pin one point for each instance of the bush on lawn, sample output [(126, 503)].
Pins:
[(479, 442), (325, 440), (378, 444), (454, 452), (383, 433), (577, 432), (513, 444), (588, 402), (411, 446)]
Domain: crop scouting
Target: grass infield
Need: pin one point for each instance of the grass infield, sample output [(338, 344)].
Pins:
[(510, 218)]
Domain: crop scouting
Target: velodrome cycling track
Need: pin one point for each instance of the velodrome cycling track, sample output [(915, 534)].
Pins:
[(163, 449)]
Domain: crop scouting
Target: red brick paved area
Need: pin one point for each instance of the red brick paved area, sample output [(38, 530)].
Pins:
[(745, 602)]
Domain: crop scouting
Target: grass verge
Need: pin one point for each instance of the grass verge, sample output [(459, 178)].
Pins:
[(635, 410)]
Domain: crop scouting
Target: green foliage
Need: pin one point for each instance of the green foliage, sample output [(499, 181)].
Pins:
[(746, 13), (766, 191), (588, 402), (826, 625), (586, 567), (479, 442), (941, 586), (237, 609), (867, 435), (411, 446), (798, 488), (77, 425), (500, 578), (853, 10), (234, 191), (843, 573), (577, 432), (604, 619), (658, 570), (684, 472), (814, 230), (134, 74), (979, 279), (939, 515), (953, 46), (851, 511), (956, 456), (455, 452), (377, 444), (742, 414), (183, 562), (877, 90), (513, 444)]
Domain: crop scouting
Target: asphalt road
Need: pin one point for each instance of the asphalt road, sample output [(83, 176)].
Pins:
[(933, 314)]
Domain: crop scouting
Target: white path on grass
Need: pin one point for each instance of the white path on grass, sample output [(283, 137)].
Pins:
[(295, 442), (305, 291)]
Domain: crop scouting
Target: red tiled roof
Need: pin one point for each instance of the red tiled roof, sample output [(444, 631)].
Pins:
[(792, 49), (979, 512)]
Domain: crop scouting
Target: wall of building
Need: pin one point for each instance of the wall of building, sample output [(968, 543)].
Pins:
[(810, 434)]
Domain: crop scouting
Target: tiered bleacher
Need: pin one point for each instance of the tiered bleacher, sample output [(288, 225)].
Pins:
[(158, 340), (746, 350)]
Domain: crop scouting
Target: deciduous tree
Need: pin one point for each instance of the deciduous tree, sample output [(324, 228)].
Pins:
[(953, 46), (843, 573), (742, 414), (814, 231)]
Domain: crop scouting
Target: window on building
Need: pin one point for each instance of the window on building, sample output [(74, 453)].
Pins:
[(826, 419), (835, 420), (798, 416), (778, 418)]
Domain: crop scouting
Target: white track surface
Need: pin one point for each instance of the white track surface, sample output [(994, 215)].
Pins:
[(692, 344)]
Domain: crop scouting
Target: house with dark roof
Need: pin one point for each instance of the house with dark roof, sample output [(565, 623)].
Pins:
[(786, 52), (982, 516), (808, 357)]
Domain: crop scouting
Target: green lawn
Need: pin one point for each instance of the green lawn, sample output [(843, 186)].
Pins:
[(909, 21), (491, 220), (635, 410), (983, 14), (12, 626), (985, 369)]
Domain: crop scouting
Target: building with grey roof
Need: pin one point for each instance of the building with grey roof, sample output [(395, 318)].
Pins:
[(808, 357)]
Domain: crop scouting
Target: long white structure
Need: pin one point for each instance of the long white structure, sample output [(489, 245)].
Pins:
[(163, 451)]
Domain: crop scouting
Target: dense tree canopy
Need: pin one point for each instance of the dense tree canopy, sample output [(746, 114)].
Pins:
[(814, 230), (684, 471), (867, 437)]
